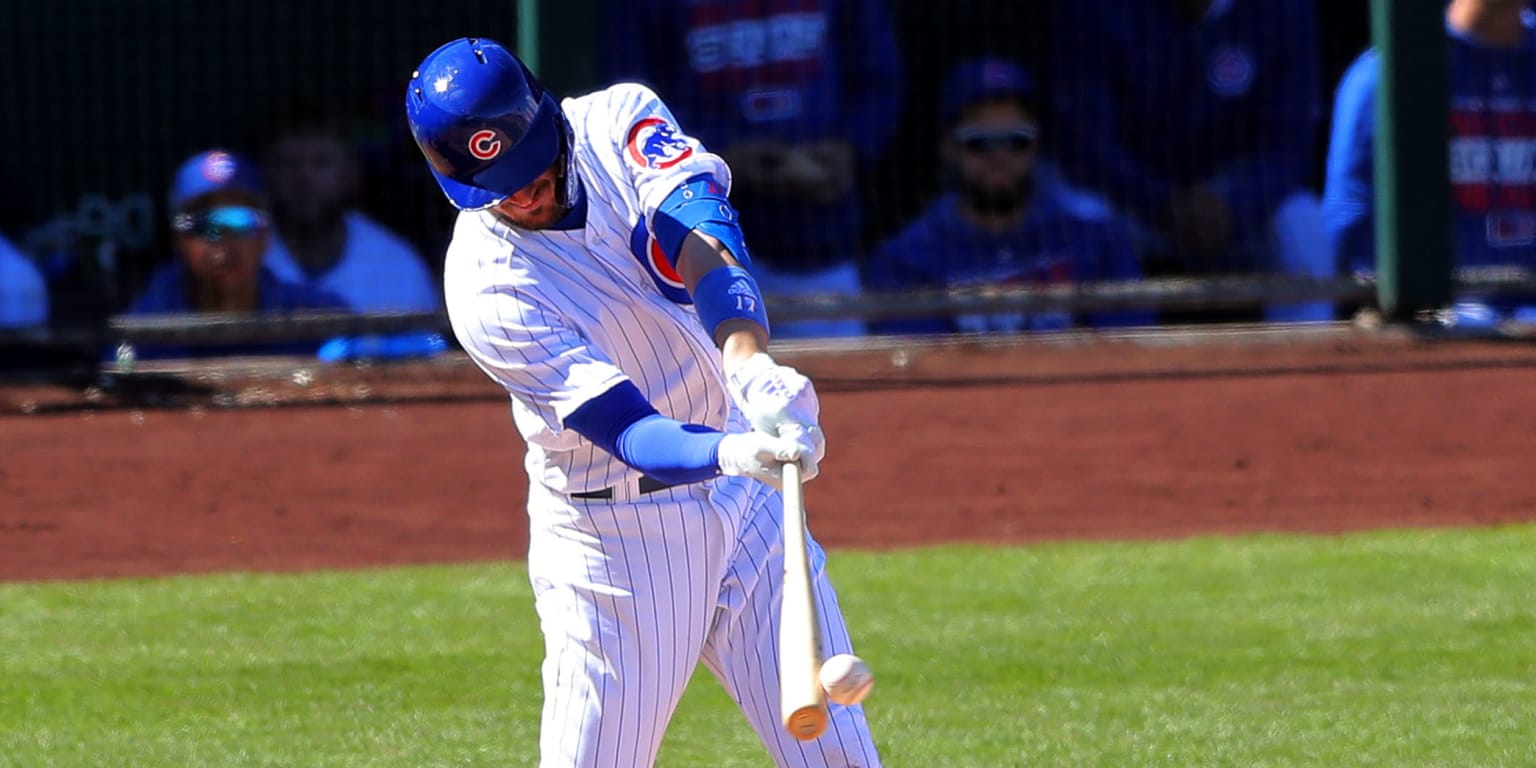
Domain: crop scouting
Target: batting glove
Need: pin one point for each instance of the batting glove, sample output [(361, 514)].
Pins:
[(760, 456), (773, 396), (814, 443)]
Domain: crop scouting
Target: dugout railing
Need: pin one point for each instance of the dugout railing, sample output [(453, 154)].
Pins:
[(72, 348)]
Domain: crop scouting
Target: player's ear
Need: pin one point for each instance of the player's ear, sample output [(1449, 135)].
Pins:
[(522, 200)]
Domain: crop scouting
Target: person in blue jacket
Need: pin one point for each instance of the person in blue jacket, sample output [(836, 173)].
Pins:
[(1007, 219), (1492, 153), (800, 98), (220, 227), (23, 291), (1199, 118)]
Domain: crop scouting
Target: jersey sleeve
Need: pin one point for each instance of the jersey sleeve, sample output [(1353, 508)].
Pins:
[(657, 156), (1349, 185)]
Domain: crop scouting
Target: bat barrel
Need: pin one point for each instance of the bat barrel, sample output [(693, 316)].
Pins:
[(806, 723), (802, 703)]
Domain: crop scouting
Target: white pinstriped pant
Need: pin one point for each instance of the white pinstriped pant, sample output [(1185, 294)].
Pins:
[(632, 595)]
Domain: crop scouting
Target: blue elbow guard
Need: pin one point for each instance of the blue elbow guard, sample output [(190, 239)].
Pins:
[(699, 204), (728, 293)]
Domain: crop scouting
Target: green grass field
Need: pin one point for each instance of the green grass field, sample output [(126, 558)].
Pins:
[(1412, 648)]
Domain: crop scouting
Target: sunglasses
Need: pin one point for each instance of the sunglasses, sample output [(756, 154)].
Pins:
[(215, 224), (980, 141)]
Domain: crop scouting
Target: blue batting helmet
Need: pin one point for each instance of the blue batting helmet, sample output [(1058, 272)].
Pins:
[(486, 126)]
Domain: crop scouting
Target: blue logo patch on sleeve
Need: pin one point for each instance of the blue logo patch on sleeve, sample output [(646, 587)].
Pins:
[(654, 143)]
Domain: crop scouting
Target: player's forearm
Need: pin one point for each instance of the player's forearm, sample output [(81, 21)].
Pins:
[(623, 423), (742, 339), (738, 338), (697, 226), (699, 255)]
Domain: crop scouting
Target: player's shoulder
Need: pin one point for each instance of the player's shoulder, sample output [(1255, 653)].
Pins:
[(483, 262), (617, 102), (475, 240), (484, 251)]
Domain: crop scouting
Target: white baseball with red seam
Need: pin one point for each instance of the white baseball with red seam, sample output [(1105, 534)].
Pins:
[(846, 679)]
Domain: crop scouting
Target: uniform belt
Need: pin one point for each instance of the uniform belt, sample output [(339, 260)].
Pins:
[(647, 485)]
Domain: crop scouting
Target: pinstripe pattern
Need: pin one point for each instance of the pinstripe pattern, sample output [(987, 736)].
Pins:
[(631, 593), (632, 596), (743, 647)]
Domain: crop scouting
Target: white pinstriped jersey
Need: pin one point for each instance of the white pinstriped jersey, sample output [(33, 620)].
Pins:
[(561, 316)]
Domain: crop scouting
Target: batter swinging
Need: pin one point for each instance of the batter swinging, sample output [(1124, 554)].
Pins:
[(598, 274)]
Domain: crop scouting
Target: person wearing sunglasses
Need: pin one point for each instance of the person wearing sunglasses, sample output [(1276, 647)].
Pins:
[(1491, 60), (1006, 217), (219, 229)]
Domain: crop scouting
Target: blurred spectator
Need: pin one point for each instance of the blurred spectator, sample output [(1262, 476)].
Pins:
[(220, 228), (320, 238), (1492, 54), (1001, 222), (23, 292), (799, 98), (1199, 117)]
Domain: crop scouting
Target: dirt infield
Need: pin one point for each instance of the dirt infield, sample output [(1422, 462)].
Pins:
[(996, 443)]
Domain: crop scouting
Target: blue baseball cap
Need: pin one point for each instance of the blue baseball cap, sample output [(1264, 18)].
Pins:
[(216, 170), (980, 79)]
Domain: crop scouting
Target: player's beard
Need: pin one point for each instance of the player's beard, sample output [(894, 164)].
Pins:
[(997, 201)]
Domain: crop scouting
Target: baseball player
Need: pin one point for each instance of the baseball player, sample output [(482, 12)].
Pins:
[(1008, 218), (597, 272), (1491, 51)]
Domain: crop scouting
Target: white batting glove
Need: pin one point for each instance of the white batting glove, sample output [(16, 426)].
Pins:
[(760, 456), (773, 396), (814, 442)]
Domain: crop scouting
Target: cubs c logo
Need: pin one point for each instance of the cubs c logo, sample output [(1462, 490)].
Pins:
[(654, 143), (661, 265), (485, 145), (665, 277), (218, 167)]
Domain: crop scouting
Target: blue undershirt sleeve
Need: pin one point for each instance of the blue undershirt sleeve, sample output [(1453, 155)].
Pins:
[(1349, 179), (623, 423)]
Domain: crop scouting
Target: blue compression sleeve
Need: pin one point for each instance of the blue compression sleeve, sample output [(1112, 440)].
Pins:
[(623, 423)]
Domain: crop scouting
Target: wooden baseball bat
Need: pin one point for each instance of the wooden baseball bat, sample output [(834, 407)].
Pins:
[(802, 702)]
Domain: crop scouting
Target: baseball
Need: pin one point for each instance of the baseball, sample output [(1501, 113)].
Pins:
[(846, 679)]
